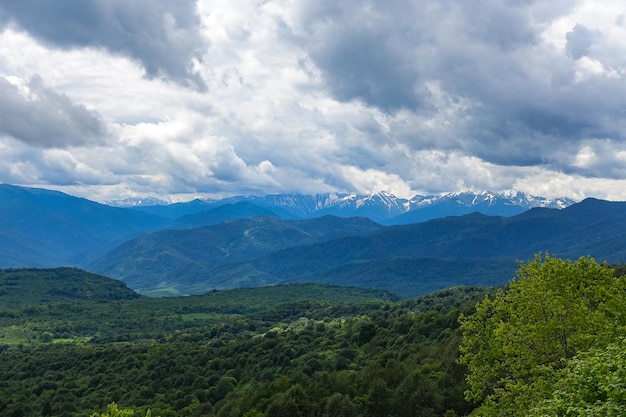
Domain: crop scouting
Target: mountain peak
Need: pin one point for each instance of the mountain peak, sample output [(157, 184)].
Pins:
[(136, 202), (386, 208)]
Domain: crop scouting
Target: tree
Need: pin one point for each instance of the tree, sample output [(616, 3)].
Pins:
[(553, 310), (592, 384), (114, 411)]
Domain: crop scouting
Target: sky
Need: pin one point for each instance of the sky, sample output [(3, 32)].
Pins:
[(111, 99)]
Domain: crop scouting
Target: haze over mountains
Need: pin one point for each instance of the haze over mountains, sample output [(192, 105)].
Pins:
[(198, 246), (407, 259), (42, 228), (381, 207)]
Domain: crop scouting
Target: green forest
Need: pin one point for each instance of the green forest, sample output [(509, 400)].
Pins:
[(550, 343)]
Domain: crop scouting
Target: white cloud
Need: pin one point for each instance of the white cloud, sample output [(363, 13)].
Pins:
[(163, 36), (316, 97), (37, 115)]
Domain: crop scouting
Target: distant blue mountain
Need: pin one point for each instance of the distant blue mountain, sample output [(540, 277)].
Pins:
[(407, 259), (244, 241), (241, 210), (43, 228), (381, 207)]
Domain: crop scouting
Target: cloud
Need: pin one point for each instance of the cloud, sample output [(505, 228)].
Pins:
[(385, 54), (488, 55), (34, 114), (163, 35), (407, 97), (24, 164), (580, 40)]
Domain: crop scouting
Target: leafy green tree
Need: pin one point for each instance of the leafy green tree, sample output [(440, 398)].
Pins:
[(114, 411), (554, 310), (340, 405), (592, 384)]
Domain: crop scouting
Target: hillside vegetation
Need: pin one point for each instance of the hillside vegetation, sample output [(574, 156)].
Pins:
[(539, 348), (31, 287), (409, 260), (550, 343), (302, 349)]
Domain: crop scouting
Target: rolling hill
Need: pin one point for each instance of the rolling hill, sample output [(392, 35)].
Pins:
[(410, 259), (149, 263), (31, 287)]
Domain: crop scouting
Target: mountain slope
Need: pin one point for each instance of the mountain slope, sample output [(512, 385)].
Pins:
[(151, 261), (31, 287), (264, 251), (41, 228), (242, 210), (569, 233)]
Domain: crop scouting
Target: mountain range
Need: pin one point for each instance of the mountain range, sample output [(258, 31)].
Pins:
[(198, 246), (381, 207), (43, 228), (407, 259)]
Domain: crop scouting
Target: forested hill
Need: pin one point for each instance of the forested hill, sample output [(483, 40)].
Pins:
[(43, 228), (30, 287), (409, 260), (296, 350), (311, 350)]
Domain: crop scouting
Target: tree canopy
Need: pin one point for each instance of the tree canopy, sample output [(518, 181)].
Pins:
[(516, 340), (114, 411)]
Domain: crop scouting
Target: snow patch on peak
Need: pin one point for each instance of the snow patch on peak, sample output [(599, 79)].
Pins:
[(136, 202)]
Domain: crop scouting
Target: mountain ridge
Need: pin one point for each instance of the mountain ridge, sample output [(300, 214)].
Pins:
[(382, 207), (50, 228), (231, 243), (475, 247)]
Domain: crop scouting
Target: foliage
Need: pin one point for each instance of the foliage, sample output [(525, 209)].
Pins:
[(592, 384), (301, 349), (30, 286), (28, 317), (554, 310), (321, 351), (114, 411)]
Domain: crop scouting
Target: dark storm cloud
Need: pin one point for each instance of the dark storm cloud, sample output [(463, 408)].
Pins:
[(361, 54), (43, 118), (384, 52), (526, 104), (163, 35), (580, 40)]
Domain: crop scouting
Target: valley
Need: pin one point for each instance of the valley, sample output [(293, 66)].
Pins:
[(304, 347), (73, 344), (199, 246), (248, 310)]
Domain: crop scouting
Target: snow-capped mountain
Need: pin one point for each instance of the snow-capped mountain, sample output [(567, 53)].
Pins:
[(488, 198), (375, 206), (388, 209), (136, 202), (381, 207), (425, 208)]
